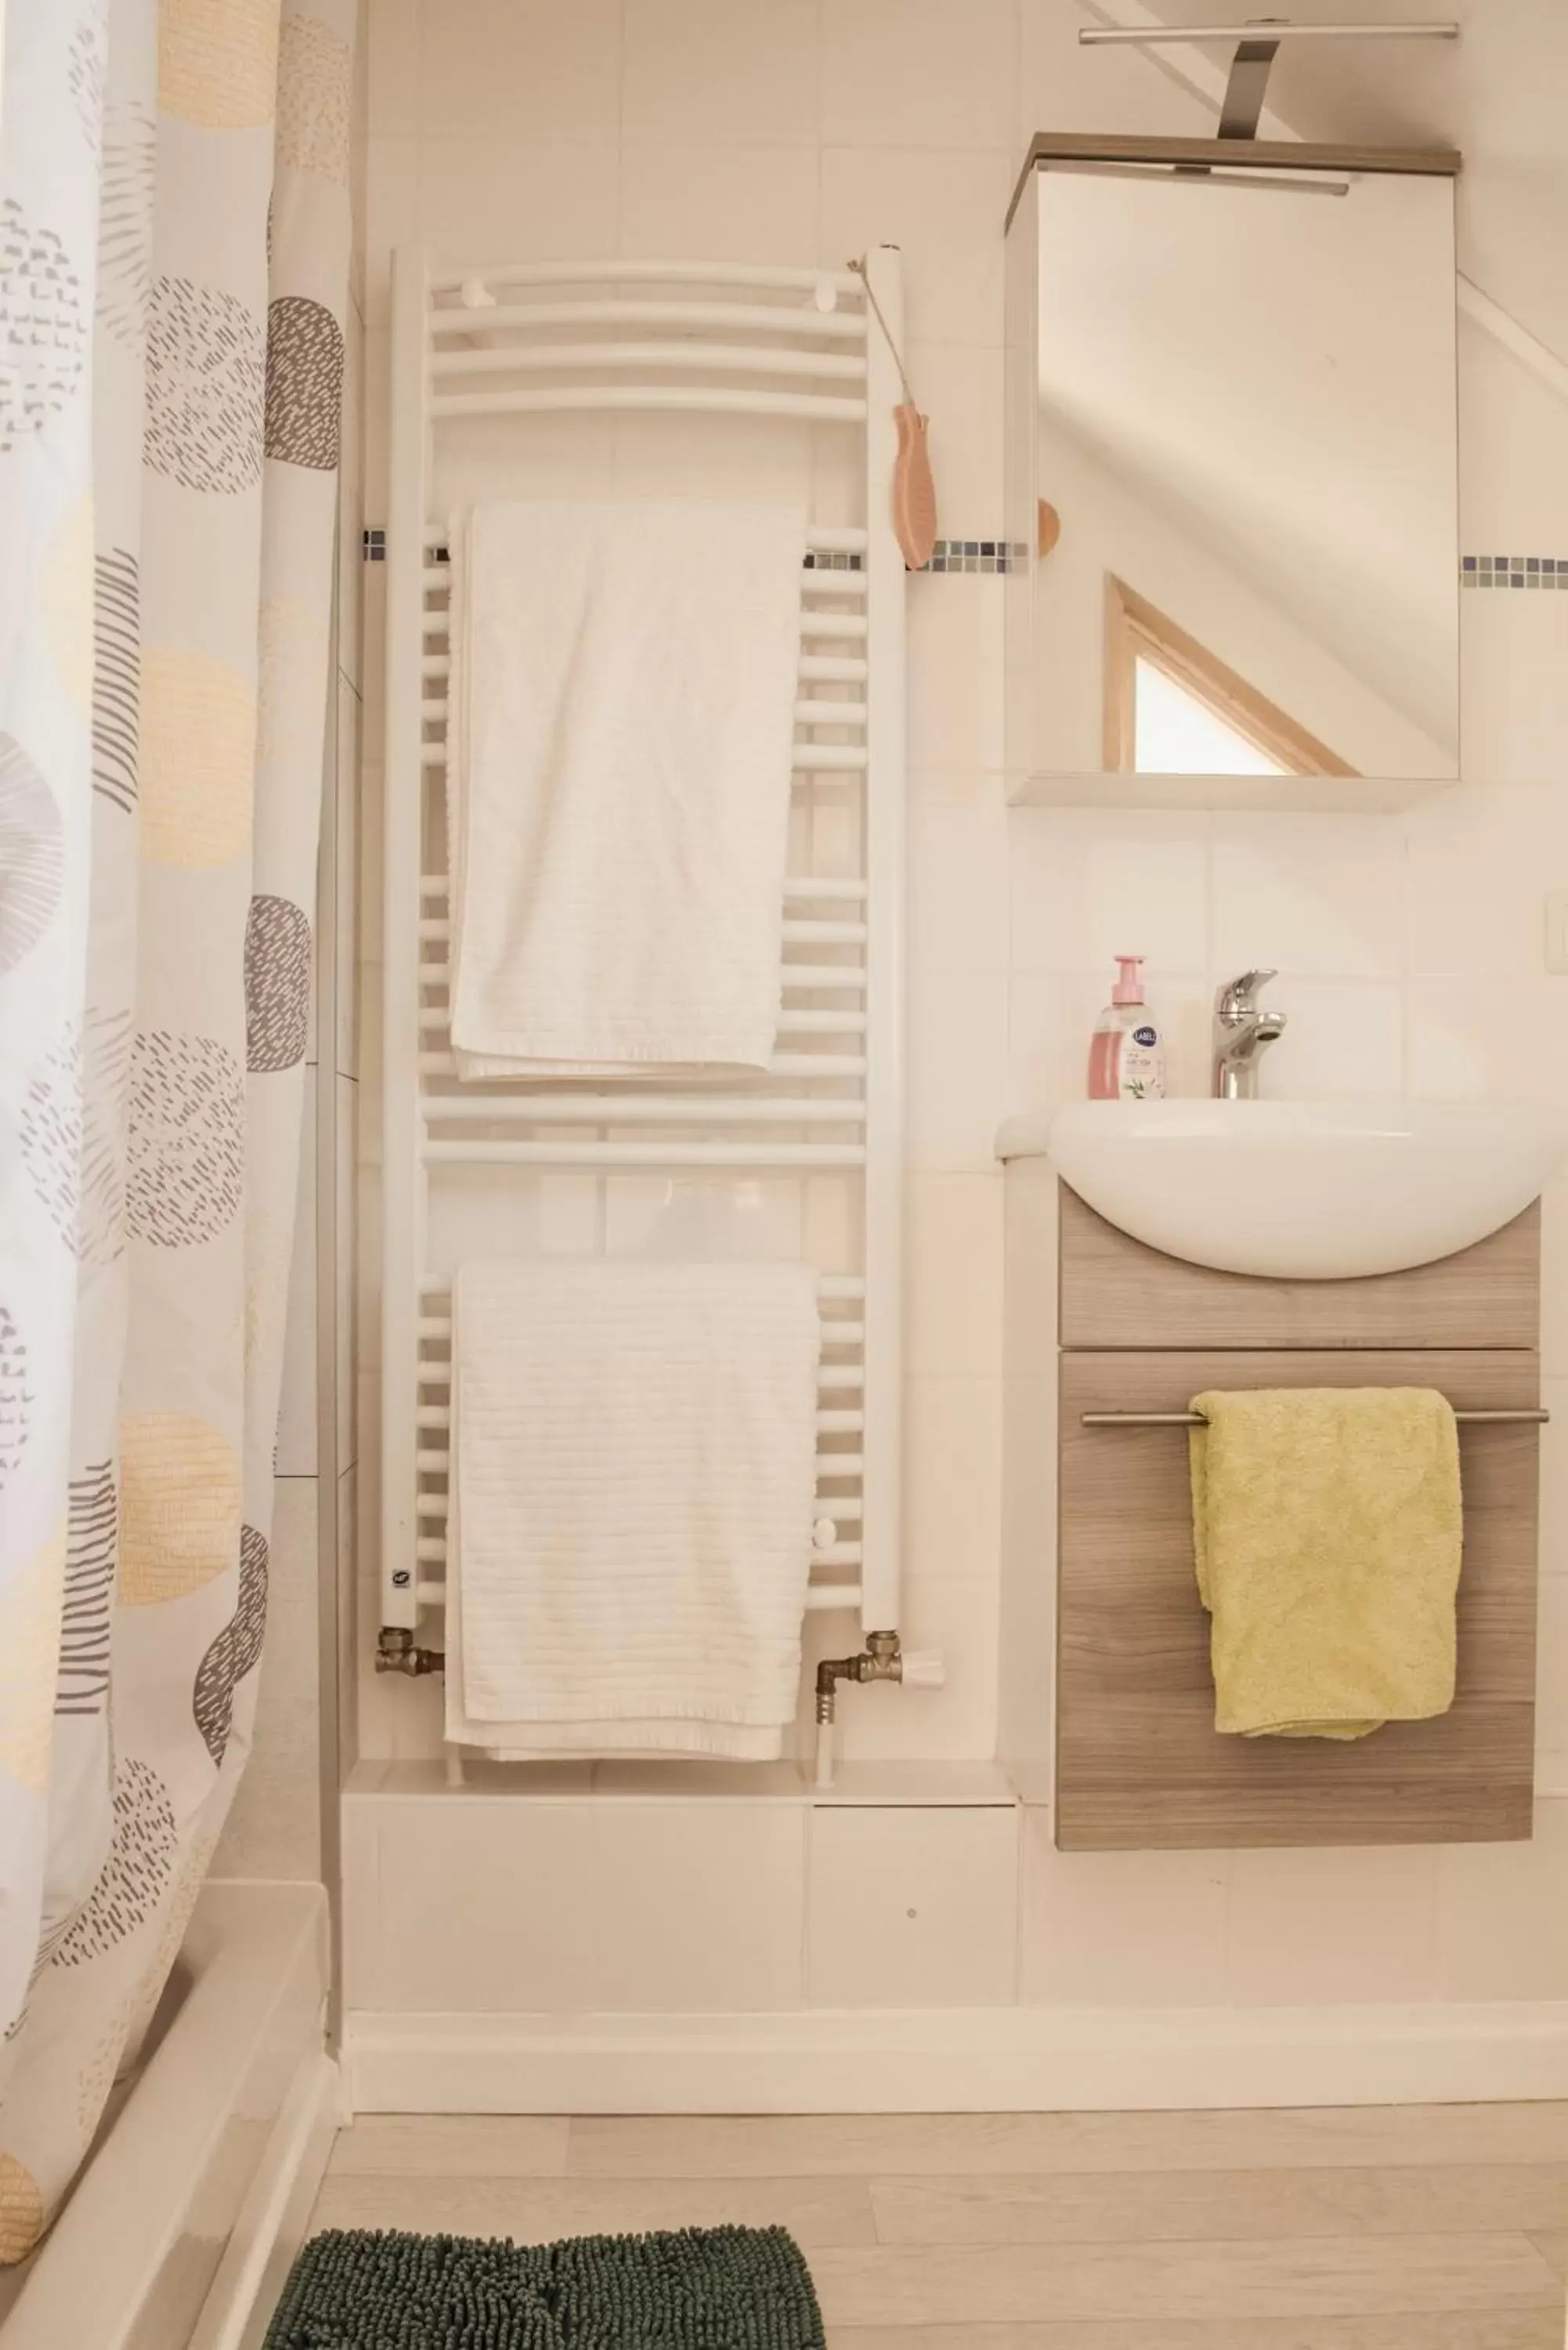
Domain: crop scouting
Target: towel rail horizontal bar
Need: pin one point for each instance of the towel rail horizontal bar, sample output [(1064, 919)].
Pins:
[(755, 1158), (776, 276), (715, 358), (831, 1467), (832, 1288), (822, 538), (729, 318), (790, 1024), (677, 400), (436, 928), (650, 1109), (788, 1065), (796, 885), (846, 585), (838, 1378), (805, 759), (821, 1598), (794, 977), (1534, 1418), (829, 1423)]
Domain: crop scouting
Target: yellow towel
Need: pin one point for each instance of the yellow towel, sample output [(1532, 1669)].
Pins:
[(1327, 1527)]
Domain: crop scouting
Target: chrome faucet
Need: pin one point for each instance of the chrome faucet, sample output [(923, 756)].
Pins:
[(1241, 1034)]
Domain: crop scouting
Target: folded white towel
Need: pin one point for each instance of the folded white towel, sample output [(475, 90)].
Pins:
[(633, 1449), (620, 721)]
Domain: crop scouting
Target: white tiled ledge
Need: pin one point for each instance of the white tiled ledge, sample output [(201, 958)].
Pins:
[(857, 1785)]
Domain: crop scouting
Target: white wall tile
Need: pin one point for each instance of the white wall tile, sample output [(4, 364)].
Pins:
[(1059, 85), (1503, 1914), (917, 73), (1482, 858), (1343, 1038), (711, 203), (953, 1276), (484, 196), (275, 1826), (524, 69), (1513, 685), (958, 905), (1306, 1928), (953, 1478), (955, 642), (393, 64), (955, 1618), (1115, 1928), (591, 1905), (957, 1069), (1467, 1039), (943, 210), (960, 387), (1087, 887), (911, 1907), (1316, 899), (722, 72), (699, 1906)]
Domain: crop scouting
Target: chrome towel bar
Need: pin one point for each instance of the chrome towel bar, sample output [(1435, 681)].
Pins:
[(1536, 1417)]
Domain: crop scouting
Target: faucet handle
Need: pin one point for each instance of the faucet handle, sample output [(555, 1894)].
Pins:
[(1237, 998)]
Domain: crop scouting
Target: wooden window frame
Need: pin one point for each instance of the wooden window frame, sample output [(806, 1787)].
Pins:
[(1138, 630)]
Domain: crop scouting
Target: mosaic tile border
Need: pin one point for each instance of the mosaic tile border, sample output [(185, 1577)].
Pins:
[(982, 554), (1514, 571), (1004, 554)]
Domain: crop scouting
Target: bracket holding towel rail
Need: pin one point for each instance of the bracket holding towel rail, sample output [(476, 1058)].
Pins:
[(1536, 1418)]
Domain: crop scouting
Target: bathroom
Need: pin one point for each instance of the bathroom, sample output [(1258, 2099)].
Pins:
[(1010, 2084)]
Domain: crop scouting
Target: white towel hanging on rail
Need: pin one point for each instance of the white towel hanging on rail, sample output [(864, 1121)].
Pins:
[(629, 1526), (618, 759)]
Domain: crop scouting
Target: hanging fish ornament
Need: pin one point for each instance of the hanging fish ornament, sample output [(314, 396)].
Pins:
[(914, 487)]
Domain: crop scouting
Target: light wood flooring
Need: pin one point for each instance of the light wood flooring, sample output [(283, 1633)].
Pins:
[(1396, 2228)]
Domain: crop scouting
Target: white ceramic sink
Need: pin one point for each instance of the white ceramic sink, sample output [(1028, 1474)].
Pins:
[(1308, 1191)]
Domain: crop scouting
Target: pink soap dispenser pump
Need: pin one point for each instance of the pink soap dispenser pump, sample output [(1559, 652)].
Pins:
[(1127, 1056)]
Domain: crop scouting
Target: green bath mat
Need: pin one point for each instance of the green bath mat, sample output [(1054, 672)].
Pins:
[(704, 2289)]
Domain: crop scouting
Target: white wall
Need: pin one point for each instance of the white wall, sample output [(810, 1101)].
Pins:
[(1410, 948)]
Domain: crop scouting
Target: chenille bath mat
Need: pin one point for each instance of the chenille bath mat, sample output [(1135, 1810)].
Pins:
[(704, 2289)]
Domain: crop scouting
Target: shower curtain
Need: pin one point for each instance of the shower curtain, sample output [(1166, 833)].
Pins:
[(174, 236)]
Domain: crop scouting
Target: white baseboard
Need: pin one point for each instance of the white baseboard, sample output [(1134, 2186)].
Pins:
[(276, 2213), (995, 2060)]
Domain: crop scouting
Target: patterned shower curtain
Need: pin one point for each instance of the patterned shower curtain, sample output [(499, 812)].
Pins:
[(174, 239)]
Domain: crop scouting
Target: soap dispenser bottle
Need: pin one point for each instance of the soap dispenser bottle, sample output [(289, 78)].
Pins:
[(1127, 1056)]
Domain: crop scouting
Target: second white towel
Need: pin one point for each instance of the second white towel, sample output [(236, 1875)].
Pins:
[(621, 717), (628, 1543)]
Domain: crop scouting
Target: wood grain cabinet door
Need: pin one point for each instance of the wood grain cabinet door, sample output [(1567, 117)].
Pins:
[(1139, 1765)]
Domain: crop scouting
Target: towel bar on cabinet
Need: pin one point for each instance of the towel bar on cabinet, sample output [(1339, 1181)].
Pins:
[(1536, 1418)]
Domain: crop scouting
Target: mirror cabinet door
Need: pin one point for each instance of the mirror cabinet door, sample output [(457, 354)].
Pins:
[(1247, 560)]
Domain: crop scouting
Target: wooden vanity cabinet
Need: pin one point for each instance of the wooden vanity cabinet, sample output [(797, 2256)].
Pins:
[(1139, 1765)]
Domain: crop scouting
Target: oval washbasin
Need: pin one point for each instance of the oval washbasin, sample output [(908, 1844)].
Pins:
[(1298, 1190)]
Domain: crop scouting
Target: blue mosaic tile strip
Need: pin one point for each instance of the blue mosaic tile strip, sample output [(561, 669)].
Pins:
[(1523, 571)]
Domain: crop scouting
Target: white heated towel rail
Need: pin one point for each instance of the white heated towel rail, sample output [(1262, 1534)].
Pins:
[(488, 351)]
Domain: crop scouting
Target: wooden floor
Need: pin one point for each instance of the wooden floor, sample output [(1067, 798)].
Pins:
[(1400, 2228)]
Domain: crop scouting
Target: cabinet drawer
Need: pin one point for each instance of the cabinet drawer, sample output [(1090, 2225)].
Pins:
[(1139, 1765), (1114, 1292)]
